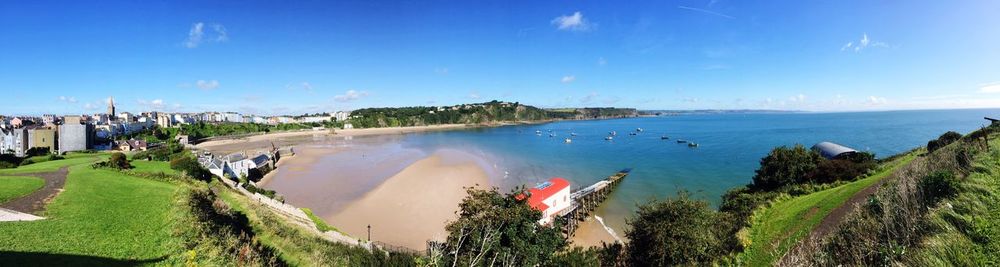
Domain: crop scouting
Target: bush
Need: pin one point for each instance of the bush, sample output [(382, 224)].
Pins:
[(942, 141), (191, 167), (119, 161), (678, 231), (785, 166), (55, 157), (937, 186)]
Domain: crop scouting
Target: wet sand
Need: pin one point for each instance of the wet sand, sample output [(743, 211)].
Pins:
[(414, 205), (591, 234)]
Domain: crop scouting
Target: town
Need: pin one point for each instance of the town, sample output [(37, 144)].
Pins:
[(26, 136)]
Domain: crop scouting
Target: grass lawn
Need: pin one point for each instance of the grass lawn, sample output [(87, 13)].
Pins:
[(152, 167), (12, 187), (776, 229), (53, 165), (102, 218)]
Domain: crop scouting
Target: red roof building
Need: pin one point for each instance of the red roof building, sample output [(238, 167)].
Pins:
[(550, 197)]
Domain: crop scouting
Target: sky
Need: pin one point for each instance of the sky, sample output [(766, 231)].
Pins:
[(295, 57)]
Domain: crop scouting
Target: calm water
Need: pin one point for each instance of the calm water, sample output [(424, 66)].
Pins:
[(730, 148)]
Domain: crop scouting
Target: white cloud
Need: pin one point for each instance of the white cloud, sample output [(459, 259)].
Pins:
[(207, 85), (706, 11), (601, 61), (221, 32), (568, 79), (865, 42), (474, 95), (797, 98), (307, 86), (196, 36), (875, 100), (442, 71), (350, 95), (89, 106), (993, 87), (156, 104), (588, 98), (68, 99), (574, 22)]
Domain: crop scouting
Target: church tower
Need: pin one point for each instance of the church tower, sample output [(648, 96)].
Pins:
[(111, 108)]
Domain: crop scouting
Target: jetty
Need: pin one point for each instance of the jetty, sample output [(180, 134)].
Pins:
[(587, 199)]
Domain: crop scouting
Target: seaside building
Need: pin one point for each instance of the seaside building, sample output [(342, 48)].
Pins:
[(831, 150), (550, 197), (14, 141), (132, 145)]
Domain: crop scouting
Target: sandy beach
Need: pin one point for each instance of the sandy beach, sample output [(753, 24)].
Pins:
[(264, 141), (414, 205), (591, 233)]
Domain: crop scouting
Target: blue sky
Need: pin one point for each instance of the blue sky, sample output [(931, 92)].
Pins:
[(283, 57)]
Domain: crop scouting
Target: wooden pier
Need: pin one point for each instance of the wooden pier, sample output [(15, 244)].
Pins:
[(586, 200)]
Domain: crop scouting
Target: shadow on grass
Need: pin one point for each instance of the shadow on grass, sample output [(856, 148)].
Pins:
[(10, 258)]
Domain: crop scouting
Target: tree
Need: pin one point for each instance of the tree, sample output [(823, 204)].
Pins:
[(494, 228), (784, 166), (677, 231), (119, 161)]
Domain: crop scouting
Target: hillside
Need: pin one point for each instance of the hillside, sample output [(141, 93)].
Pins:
[(494, 112)]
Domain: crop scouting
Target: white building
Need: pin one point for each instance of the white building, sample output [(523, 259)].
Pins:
[(550, 197)]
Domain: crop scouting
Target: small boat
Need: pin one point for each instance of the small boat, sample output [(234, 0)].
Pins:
[(568, 140), (692, 144), (633, 133), (609, 138), (613, 133), (572, 134), (681, 141), (638, 129), (552, 135), (664, 137), (538, 132)]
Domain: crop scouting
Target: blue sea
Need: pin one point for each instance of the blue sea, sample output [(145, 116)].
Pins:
[(731, 146)]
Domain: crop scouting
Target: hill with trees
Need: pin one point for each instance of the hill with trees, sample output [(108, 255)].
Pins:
[(493, 112)]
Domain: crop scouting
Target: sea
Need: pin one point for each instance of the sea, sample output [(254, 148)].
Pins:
[(730, 146)]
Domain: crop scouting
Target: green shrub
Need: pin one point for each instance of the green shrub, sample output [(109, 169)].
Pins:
[(942, 141), (191, 167), (785, 166), (937, 186), (678, 231)]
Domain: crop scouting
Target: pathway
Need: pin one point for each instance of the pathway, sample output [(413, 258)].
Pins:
[(35, 202)]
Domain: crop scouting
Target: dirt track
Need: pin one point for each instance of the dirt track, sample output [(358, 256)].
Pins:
[(35, 202)]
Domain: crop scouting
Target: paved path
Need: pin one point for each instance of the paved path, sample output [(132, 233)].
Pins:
[(7, 215), (35, 202)]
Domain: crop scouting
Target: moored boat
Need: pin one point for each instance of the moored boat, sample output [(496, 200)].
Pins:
[(681, 141)]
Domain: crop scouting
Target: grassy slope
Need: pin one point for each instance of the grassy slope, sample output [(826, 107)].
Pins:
[(152, 167), (101, 213), (320, 223), (969, 230), (12, 187), (54, 165), (775, 229)]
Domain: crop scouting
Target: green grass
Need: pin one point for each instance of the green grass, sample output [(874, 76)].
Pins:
[(320, 224), (152, 167), (968, 226), (72, 159), (12, 187), (775, 229), (103, 218)]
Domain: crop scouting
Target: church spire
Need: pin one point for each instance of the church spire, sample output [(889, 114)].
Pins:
[(111, 108)]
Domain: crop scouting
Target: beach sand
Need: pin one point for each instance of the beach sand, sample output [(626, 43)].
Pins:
[(414, 205), (591, 233), (282, 139)]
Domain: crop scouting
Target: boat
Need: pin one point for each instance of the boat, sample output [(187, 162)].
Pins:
[(692, 144), (609, 138), (613, 133), (572, 134), (633, 133), (568, 140), (552, 135), (664, 137), (681, 141), (638, 129), (538, 132)]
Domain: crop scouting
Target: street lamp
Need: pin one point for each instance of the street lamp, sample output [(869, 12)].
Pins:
[(369, 233)]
